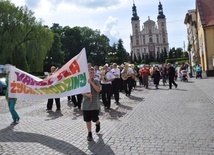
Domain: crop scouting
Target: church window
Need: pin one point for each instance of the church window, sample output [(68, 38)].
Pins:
[(150, 31), (162, 24), (163, 30), (137, 42), (150, 40), (144, 41), (164, 41), (157, 40), (136, 32)]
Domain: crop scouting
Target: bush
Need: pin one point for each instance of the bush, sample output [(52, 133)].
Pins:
[(177, 60)]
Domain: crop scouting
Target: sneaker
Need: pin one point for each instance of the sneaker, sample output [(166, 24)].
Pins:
[(89, 138), (17, 121), (13, 123), (97, 127)]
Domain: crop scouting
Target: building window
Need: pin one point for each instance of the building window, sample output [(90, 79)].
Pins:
[(162, 24), (136, 32), (150, 40), (144, 41), (157, 40), (150, 31), (137, 42), (164, 41), (144, 50)]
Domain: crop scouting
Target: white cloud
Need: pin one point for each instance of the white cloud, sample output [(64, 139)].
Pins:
[(110, 28), (89, 4)]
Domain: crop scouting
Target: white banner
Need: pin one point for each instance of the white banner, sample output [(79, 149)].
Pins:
[(69, 80)]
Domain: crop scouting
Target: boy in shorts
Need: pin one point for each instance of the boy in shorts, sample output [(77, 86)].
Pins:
[(91, 105)]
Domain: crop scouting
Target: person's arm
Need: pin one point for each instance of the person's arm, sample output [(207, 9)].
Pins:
[(97, 88)]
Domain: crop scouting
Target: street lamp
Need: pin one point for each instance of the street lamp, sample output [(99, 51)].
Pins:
[(111, 56)]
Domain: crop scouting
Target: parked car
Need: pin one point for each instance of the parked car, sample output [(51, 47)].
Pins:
[(3, 85)]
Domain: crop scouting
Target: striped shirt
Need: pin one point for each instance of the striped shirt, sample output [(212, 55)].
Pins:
[(95, 103)]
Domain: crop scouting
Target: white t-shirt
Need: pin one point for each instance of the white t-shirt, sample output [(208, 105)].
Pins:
[(116, 71), (108, 76), (97, 75)]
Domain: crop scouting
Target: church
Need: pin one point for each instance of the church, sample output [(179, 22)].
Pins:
[(152, 40)]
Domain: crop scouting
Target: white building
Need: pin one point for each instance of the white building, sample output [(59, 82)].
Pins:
[(152, 39)]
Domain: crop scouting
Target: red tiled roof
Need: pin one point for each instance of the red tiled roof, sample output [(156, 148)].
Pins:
[(206, 11)]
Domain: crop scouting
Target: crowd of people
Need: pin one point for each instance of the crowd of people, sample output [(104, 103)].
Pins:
[(107, 81)]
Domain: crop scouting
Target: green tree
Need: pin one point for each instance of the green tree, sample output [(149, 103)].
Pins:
[(76, 38), (121, 52), (172, 53), (178, 52), (24, 42)]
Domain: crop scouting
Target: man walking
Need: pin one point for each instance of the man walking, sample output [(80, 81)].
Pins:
[(171, 74), (57, 100), (116, 82)]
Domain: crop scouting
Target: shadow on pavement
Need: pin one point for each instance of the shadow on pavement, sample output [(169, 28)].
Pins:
[(116, 114), (100, 147), (135, 98), (8, 135), (54, 115)]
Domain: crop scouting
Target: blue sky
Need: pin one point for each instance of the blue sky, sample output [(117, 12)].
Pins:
[(112, 17)]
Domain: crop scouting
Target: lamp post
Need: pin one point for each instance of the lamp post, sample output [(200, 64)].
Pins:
[(111, 56), (190, 63)]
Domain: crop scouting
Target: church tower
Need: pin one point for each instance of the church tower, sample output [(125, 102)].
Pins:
[(135, 38), (161, 21), (150, 42)]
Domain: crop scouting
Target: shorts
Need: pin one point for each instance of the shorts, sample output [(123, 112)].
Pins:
[(91, 115)]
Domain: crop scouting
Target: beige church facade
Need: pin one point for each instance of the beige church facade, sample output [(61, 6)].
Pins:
[(152, 39)]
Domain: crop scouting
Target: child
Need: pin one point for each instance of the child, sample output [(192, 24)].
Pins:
[(91, 105), (11, 104)]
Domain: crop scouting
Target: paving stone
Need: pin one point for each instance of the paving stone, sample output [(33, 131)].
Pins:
[(163, 121)]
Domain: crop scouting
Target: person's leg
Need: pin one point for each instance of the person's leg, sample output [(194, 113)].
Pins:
[(87, 119), (50, 104), (109, 94), (79, 100), (125, 83), (69, 98), (170, 82), (13, 112), (104, 91), (116, 90), (57, 100), (146, 80), (95, 118), (74, 100), (88, 124), (130, 84), (174, 84)]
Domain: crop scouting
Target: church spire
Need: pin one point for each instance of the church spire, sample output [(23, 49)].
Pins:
[(160, 11), (134, 12)]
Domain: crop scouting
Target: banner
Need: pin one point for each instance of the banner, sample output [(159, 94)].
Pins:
[(69, 80)]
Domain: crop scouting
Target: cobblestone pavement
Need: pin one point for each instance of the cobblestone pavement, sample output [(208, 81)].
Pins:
[(163, 121)]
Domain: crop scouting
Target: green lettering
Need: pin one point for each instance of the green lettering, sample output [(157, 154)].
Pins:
[(68, 83), (54, 89), (46, 90), (83, 80), (61, 87)]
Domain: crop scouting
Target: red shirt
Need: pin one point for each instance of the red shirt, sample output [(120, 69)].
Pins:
[(145, 71)]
